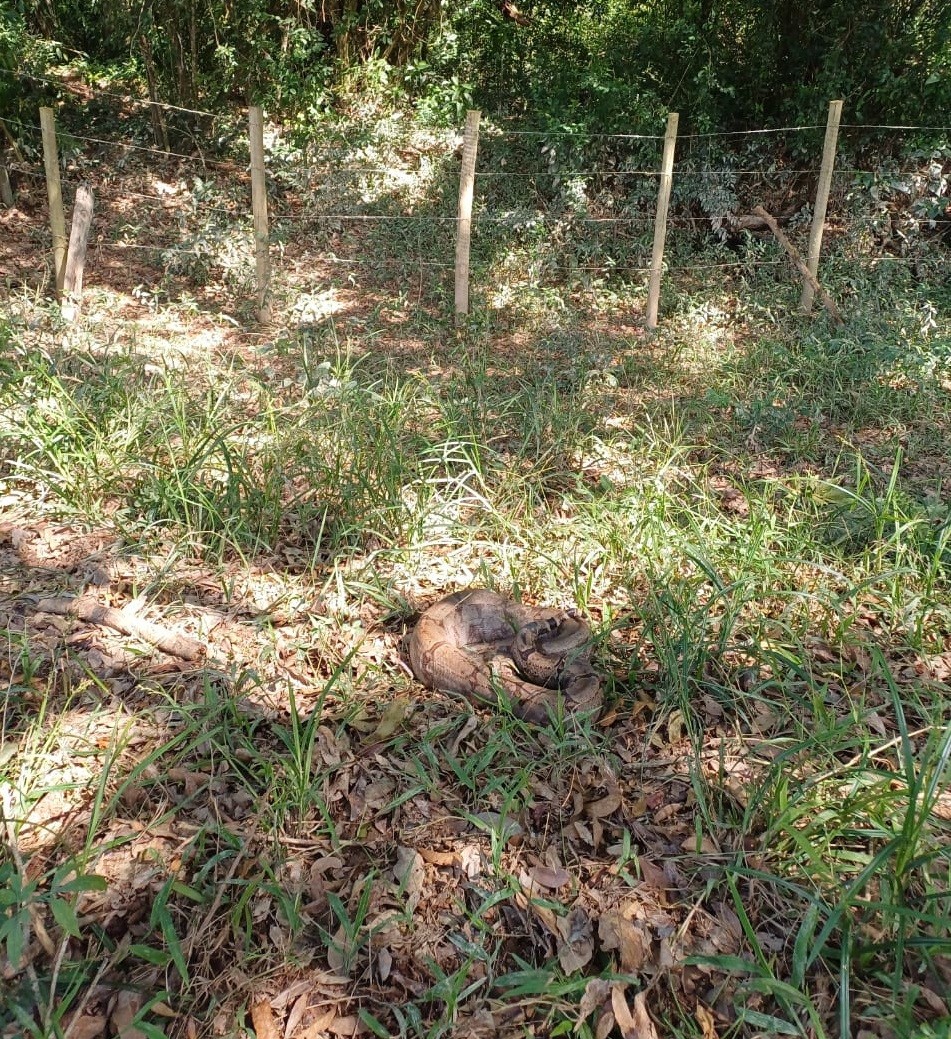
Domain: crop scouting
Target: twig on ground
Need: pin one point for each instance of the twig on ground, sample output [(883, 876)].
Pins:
[(87, 609)]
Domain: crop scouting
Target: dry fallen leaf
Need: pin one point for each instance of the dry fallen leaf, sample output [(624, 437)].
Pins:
[(707, 846), (577, 941), (544, 914), (676, 727), (126, 1006), (392, 718), (349, 1025), (340, 951), (705, 1020), (622, 1013), (262, 1017), (296, 1015), (628, 937), (410, 872), (595, 993), (643, 1025), (934, 1001), (320, 1025), (732, 500), (548, 877), (605, 1023), (291, 993), (604, 806), (440, 858), (470, 861), (91, 1026), (654, 876)]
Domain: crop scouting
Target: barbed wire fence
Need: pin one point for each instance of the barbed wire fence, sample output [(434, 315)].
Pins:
[(558, 218)]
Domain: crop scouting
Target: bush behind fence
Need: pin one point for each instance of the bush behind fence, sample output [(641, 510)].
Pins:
[(577, 210)]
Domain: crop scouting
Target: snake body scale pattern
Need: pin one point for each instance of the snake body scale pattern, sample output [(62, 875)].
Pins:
[(479, 643)]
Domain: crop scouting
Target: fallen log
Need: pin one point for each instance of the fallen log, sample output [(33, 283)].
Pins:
[(87, 609)]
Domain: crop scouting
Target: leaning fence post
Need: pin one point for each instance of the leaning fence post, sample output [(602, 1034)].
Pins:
[(822, 201), (262, 259), (470, 145), (660, 219), (54, 192)]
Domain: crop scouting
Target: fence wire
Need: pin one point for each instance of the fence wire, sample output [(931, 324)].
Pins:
[(607, 254), (100, 93)]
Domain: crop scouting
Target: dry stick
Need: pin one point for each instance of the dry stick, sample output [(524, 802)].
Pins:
[(470, 146), (76, 258), (262, 259), (793, 252), (243, 849), (12, 141), (91, 989), (95, 613), (660, 219), (55, 194), (822, 201)]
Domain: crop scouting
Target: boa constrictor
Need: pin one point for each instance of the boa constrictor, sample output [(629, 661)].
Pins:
[(480, 644)]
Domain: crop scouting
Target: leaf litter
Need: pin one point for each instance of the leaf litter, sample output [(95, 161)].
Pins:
[(406, 879)]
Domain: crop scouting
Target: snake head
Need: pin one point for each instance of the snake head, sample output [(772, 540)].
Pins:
[(582, 691)]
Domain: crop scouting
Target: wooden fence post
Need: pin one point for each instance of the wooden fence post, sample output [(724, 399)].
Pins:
[(470, 145), (660, 220), (822, 201), (262, 258), (54, 192), (76, 257)]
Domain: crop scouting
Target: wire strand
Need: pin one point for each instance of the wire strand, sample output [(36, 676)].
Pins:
[(748, 133), (145, 102), (581, 134), (886, 126), (123, 144)]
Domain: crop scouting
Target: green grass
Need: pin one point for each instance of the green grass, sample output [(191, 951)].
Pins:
[(751, 508)]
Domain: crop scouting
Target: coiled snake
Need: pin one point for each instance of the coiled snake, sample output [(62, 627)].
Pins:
[(480, 644)]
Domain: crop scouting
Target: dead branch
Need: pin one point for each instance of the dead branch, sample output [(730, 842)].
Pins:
[(87, 609), (793, 253)]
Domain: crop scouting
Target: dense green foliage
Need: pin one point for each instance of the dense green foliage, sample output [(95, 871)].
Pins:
[(602, 64), (26, 54)]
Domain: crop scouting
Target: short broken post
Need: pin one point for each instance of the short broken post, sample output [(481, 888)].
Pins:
[(54, 192), (6, 188), (76, 257), (660, 219), (262, 258), (7, 196), (822, 201), (470, 145)]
